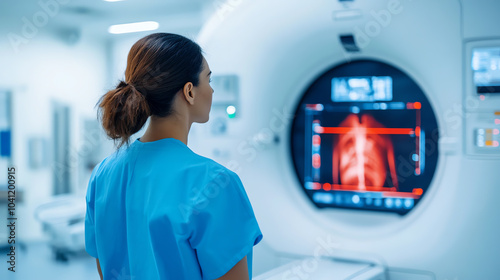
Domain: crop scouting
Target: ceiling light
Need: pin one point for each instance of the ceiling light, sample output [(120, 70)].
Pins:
[(133, 27)]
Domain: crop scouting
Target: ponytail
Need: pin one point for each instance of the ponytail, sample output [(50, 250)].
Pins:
[(123, 111)]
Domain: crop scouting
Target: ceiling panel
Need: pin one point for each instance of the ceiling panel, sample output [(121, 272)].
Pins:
[(94, 17)]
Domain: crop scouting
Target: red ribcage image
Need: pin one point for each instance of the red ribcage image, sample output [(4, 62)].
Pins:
[(362, 159)]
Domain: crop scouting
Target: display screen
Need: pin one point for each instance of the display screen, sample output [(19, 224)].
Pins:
[(352, 89), (372, 155), (486, 69)]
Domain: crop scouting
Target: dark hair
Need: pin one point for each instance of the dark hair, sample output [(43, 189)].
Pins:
[(158, 66)]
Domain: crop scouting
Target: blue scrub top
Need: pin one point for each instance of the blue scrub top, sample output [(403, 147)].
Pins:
[(157, 210)]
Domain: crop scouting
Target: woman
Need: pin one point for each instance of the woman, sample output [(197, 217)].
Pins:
[(155, 209)]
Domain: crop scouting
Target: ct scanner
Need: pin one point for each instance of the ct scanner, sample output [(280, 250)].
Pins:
[(366, 133)]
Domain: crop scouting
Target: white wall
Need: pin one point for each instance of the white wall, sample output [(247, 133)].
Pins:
[(47, 69)]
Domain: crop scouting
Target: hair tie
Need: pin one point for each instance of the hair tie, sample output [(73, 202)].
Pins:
[(124, 84)]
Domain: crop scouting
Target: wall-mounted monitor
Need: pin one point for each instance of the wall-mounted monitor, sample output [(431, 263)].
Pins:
[(486, 70)]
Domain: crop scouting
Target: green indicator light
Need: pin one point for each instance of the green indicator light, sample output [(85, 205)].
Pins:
[(231, 112)]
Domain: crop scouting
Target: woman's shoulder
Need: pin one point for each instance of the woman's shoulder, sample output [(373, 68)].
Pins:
[(97, 169), (212, 167), (185, 160), (212, 171)]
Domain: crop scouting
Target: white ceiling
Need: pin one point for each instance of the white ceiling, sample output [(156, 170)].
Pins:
[(93, 17)]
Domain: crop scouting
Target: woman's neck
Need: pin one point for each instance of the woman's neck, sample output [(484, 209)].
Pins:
[(173, 126)]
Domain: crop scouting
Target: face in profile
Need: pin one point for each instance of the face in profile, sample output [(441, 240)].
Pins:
[(203, 99)]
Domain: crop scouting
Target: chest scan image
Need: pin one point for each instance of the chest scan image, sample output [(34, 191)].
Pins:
[(365, 137)]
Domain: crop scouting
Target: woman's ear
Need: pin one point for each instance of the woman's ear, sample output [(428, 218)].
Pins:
[(188, 91)]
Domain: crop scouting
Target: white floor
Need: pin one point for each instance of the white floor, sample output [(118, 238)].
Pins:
[(36, 261)]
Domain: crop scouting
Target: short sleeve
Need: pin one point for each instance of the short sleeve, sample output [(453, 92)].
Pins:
[(90, 241), (225, 228)]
